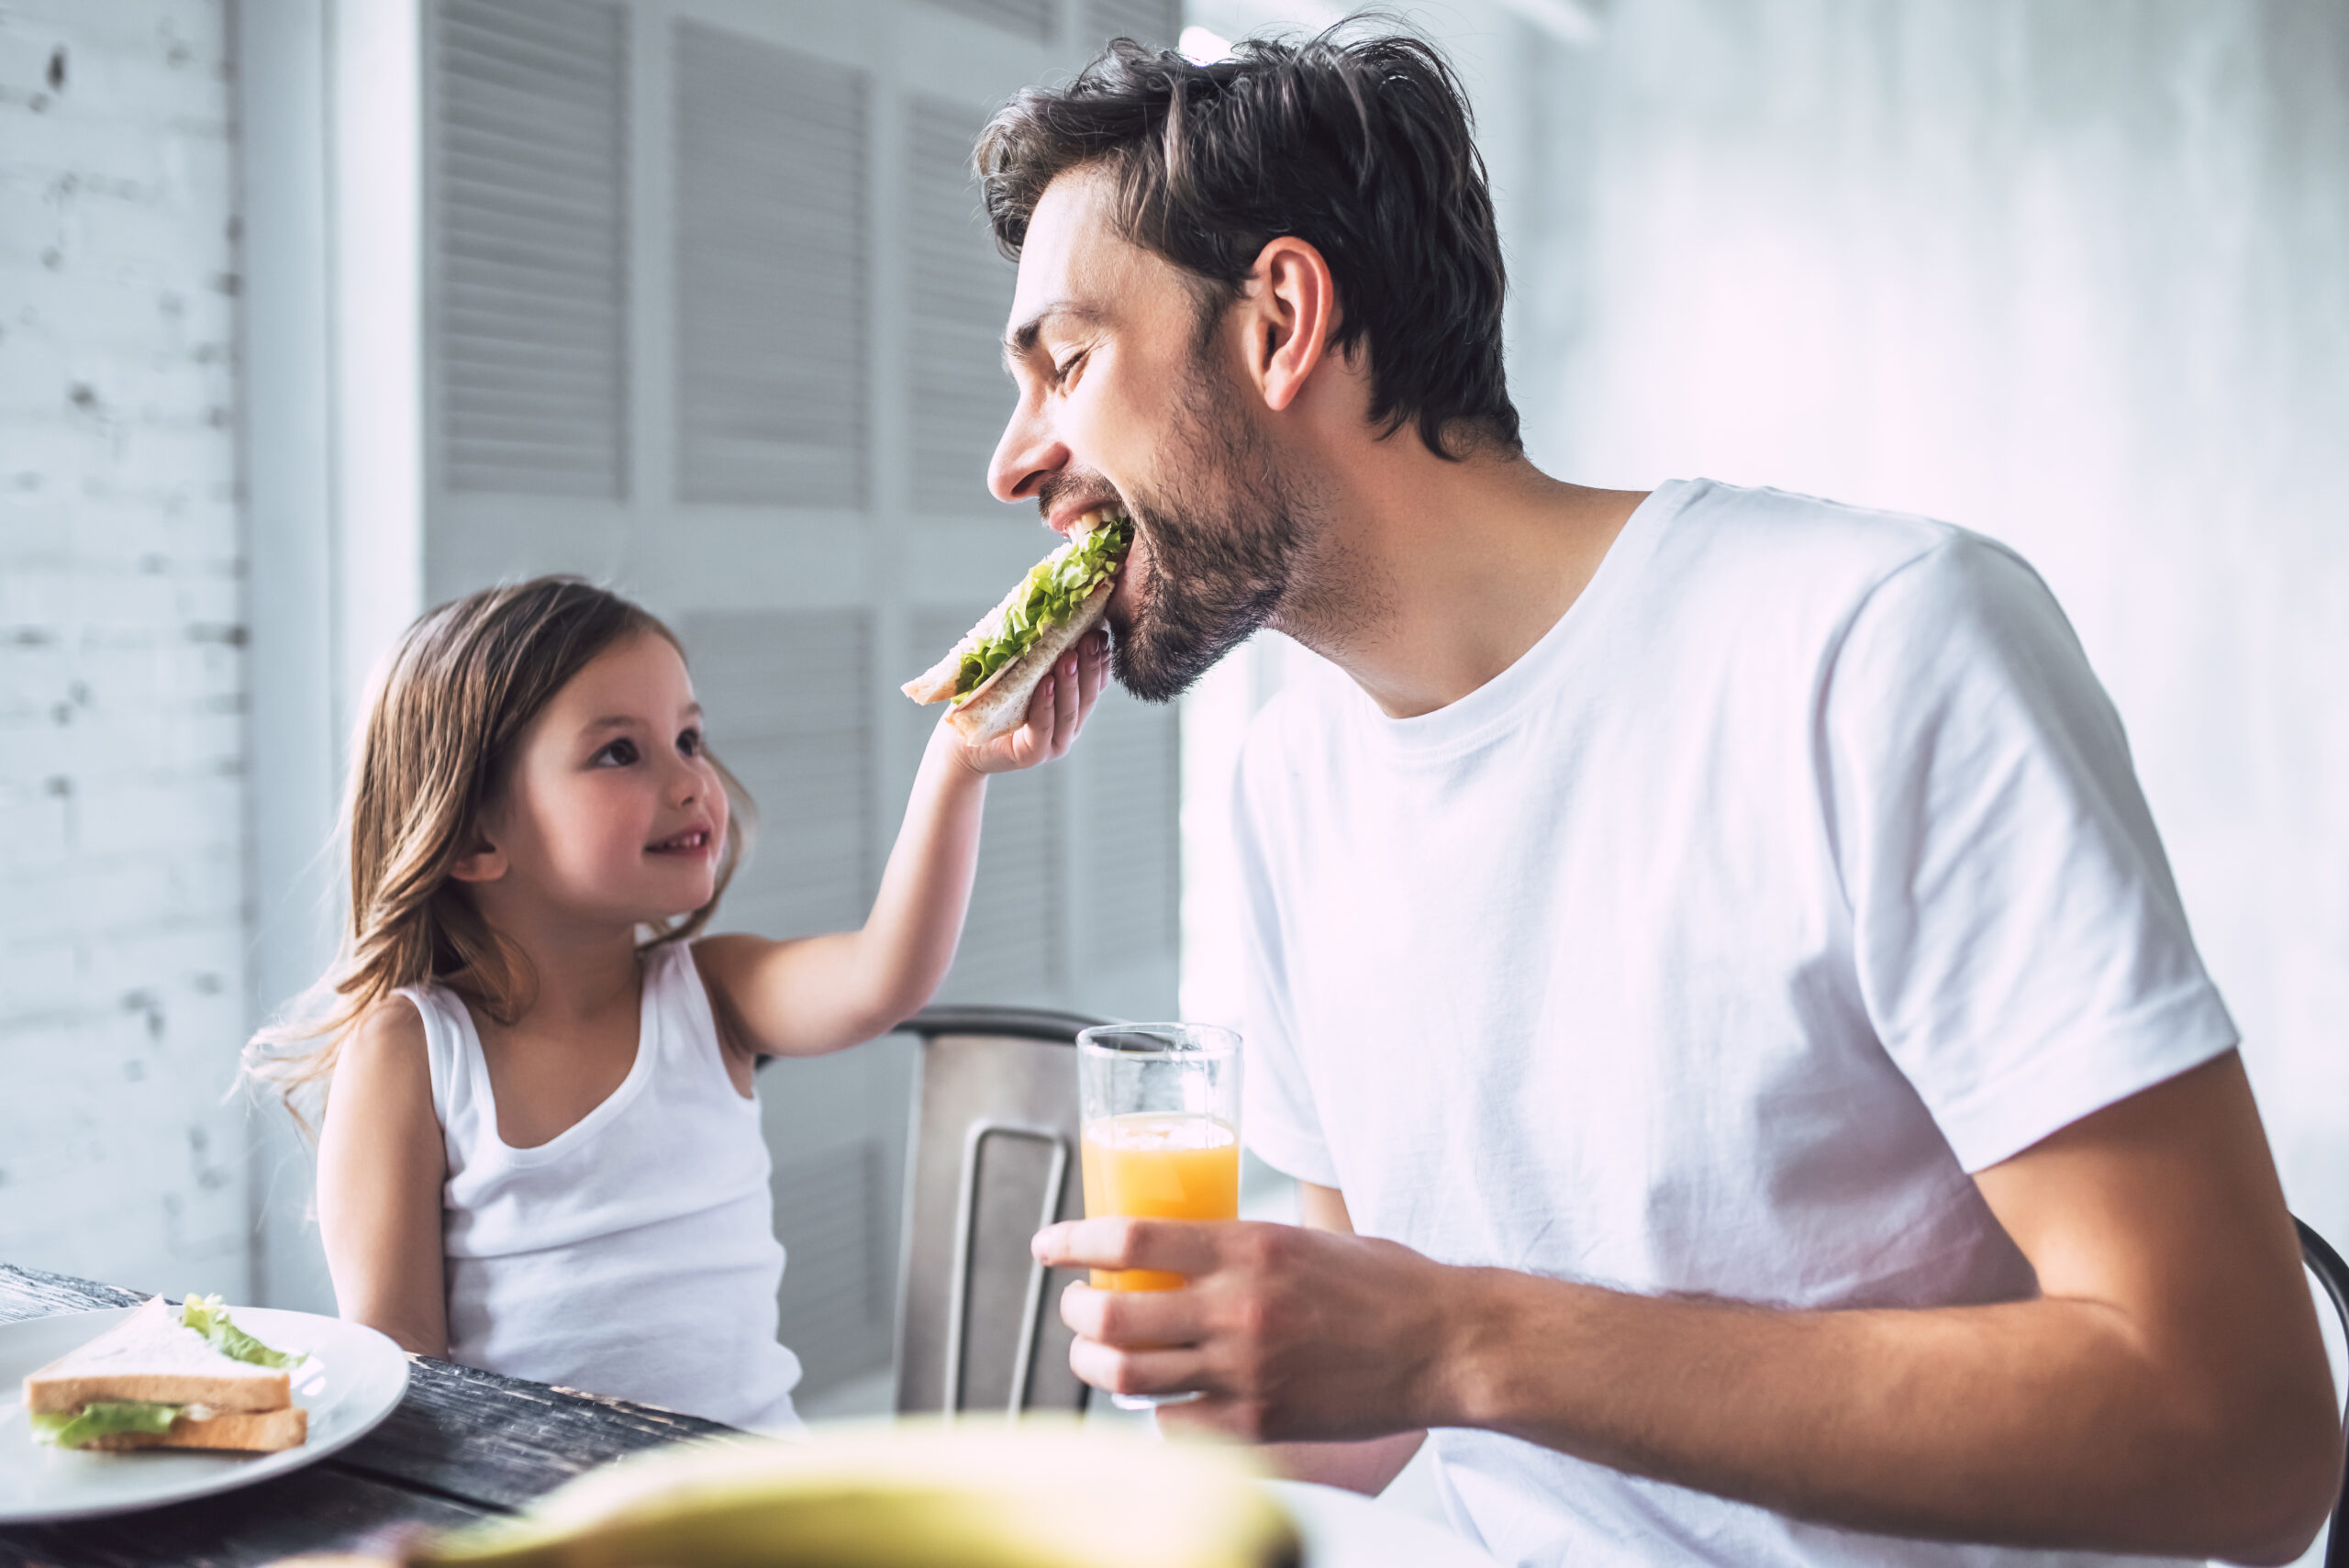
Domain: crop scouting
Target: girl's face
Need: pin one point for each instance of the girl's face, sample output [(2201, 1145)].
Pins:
[(613, 812)]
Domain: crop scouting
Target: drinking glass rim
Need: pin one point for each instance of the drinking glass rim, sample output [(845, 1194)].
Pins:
[(1213, 1042)]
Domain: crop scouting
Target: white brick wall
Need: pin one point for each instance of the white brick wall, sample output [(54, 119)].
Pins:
[(122, 680)]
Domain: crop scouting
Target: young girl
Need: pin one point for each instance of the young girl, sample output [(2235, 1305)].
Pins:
[(541, 1153)]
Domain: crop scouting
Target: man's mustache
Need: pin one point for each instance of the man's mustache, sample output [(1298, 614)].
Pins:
[(1086, 489)]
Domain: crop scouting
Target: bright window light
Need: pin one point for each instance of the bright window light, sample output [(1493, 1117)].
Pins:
[(1201, 47)]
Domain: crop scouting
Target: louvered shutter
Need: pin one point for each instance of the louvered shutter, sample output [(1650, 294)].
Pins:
[(532, 223), (1152, 22), (771, 250), (960, 295), (1127, 886), (1026, 18), (711, 314), (834, 1305), (1011, 947), (788, 700)]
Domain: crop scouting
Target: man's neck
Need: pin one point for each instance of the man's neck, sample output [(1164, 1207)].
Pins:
[(1432, 577)]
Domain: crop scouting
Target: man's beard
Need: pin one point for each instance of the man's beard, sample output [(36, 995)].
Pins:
[(1225, 535)]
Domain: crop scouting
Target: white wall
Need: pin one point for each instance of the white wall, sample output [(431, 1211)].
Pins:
[(122, 672), (2076, 276)]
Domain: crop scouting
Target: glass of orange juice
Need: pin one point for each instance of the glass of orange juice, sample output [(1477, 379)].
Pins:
[(1161, 1108)]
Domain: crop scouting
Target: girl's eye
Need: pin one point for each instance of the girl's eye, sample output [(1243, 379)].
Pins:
[(689, 743), (619, 754)]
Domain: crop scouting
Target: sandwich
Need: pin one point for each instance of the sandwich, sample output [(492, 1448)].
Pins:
[(167, 1378), (992, 673)]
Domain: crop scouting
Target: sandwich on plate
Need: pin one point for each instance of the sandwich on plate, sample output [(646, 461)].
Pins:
[(992, 673), (166, 1377)]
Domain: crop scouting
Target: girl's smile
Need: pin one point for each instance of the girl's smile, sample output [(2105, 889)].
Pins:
[(696, 841)]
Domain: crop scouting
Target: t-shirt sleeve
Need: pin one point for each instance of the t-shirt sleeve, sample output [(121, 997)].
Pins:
[(2021, 948), (1279, 1121)]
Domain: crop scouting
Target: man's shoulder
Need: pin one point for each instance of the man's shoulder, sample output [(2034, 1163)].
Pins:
[(1774, 552), (1810, 529)]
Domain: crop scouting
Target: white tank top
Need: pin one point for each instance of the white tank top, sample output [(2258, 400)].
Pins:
[(634, 1254)]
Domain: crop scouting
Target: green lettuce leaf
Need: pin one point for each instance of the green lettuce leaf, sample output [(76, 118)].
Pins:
[(102, 1418), (1053, 588), (208, 1318)]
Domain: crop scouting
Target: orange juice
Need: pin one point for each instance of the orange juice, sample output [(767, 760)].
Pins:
[(1159, 1165)]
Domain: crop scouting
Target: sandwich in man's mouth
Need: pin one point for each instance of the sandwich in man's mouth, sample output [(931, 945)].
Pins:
[(992, 673), (169, 1378)]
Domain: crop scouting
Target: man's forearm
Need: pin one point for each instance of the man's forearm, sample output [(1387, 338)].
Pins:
[(2043, 1423)]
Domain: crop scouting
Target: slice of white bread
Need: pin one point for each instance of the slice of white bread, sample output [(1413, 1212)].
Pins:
[(937, 682), (263, 1431), (999, 704), (151, 1357)]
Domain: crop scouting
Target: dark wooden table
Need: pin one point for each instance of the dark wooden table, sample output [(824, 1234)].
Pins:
[(461, 1445)]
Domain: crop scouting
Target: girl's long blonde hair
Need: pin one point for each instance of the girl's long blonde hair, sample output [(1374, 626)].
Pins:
[(459, 691)]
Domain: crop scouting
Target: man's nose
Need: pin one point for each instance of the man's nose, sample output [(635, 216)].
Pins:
[(1028, 454)]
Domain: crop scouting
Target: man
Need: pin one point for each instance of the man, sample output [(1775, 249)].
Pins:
[(1755, 1096)]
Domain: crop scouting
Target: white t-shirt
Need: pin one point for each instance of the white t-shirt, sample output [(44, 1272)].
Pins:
[(1798, 870)]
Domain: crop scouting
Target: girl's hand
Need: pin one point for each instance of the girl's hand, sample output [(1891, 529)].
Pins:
[(812, 995), (1055, 713)]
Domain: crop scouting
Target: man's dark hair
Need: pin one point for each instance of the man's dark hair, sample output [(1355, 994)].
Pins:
[(1362, 148)]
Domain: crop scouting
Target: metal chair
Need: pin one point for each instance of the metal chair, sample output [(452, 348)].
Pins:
[(2333, 1276), (993, 1160)]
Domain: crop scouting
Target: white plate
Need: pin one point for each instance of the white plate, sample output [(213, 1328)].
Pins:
[(1346, 1529), (352, 1379)]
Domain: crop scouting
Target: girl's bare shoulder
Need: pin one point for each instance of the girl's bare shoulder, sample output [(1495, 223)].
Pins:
[(392, 1026), (381, 1126), (385, 1051), (380, 1099)]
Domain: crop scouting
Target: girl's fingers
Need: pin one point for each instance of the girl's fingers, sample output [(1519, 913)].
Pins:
[(1092, 672), (1043, 714), (1064, 714), (1058, 708)]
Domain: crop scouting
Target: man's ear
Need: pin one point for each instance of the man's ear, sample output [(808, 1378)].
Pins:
[(483, 862), (1292, 306)]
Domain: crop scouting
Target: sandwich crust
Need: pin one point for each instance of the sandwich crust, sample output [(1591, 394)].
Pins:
[(937, 682), (999, 704), (151, 1357)]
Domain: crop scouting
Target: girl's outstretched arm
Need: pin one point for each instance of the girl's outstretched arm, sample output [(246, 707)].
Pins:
[(819, 994), (381, 1166)]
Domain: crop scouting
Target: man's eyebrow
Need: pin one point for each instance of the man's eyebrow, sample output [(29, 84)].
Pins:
[(1020, 341)]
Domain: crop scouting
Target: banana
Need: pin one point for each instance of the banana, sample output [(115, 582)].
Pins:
[(1039, 1494)]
